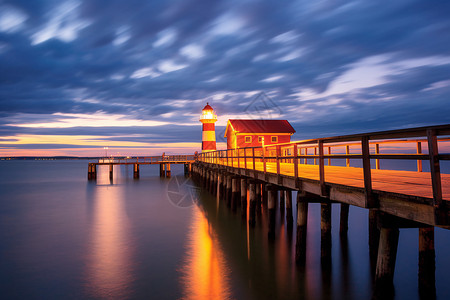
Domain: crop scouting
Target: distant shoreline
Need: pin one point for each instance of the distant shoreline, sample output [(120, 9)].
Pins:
[(49, 157)]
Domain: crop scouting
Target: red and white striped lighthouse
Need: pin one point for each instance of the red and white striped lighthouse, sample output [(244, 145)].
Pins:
[(208, 118)]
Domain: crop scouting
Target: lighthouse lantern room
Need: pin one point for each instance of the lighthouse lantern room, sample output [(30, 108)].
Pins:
[(208, 118)]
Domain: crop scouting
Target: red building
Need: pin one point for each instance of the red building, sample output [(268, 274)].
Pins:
[(253, 133)]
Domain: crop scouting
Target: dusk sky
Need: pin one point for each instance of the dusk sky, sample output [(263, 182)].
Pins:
[(77, 76)]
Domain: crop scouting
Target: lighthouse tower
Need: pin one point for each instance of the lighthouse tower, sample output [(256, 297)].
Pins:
[(208, 118)]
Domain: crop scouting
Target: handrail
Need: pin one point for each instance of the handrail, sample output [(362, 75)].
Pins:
[(366, 146)]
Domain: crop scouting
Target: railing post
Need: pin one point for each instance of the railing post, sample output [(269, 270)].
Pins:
[(315, 153), (239, 158), (264, 161), (277, 151), (347, 152), (377, 160), (329, 153), (435, 168), (323, 190), (253, 157), (226, 154), (296, 165), (306, 159), (419, 161), (245, 158), (370, 202)]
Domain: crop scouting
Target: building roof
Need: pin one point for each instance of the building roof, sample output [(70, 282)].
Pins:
[(260, 126), (207, 107)]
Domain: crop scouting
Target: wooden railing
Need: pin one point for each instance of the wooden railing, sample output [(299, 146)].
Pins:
[(359, 147), (149, 159)]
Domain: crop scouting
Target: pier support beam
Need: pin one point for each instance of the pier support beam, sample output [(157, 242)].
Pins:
[(111, 171), (213, 182), (162, 171), (289, 218), (343, 228), (229, 190), (302, 223), (168, 171), (272, 198), (252, 204), (282, 201), (387, 253), (235, 194), (92, 171), (136, 171), (258, 194), (244, 197), (427, 263), (325, 234), (374, 238)]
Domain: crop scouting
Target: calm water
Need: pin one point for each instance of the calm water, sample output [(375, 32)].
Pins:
[(62, 237)]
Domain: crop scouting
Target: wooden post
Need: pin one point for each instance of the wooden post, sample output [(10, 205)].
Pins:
[(323, 190), (253, 159), (347, 152), (387, 253), (315, 153), (162, 171), (329, 153), (136, 171), (258, 194), (219, 184), (168, 172), (111, 169), (374, 237), (252, 204), (302, 223), (344, 220), (289, 217), (229, 189), (272, 198), (282, 201), (296, 165), (244, 197), (325, 234), (235, 195), (419, 161), (427, 264), (377, 160), (435, 168), (370, 200)]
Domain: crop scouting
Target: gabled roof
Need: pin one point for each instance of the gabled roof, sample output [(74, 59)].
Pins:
[(260, 126)]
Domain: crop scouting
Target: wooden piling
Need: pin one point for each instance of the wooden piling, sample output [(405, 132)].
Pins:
[(427, 263), (374, 238), (387, 252), (271, 199), (252, 204), (258, 194), (111, 171), (229, 189), (244, 194), (162, 172), (289, 218), (343, 228), (168, 171), (282, 200), (235, 194), (136, 171), (325, 234), (302, 223)]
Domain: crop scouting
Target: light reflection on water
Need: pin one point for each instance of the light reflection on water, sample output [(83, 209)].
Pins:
[(205, 274), (110, 251)]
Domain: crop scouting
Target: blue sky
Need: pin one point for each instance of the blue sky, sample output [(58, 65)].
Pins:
[(76, 76)]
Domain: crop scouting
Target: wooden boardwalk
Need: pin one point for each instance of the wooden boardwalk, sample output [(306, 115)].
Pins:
[(307, 166)]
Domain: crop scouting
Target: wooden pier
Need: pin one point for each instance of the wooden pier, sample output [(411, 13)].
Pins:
[(164, 162), (348, 170)]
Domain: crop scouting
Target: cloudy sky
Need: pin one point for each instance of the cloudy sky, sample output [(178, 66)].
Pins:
[(133, 75)]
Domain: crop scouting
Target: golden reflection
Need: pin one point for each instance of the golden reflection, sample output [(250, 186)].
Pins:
[(205, 273), (109, 259)]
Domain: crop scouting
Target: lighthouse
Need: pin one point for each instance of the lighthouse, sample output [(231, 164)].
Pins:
[(208, 118)]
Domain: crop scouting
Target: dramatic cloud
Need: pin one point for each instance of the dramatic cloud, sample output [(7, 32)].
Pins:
[(140, 71)]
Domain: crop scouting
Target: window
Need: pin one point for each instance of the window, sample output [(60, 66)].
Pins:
[(260, 139), (248, 139), (274, 139)]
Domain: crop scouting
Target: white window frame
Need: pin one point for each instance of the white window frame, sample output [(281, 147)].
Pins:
[(276, 139), (245, 139)]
